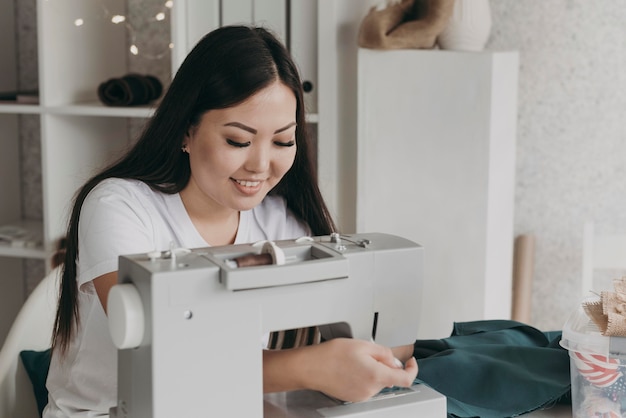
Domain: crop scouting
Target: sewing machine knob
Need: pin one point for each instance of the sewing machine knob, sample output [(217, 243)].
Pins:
[(126, 317)]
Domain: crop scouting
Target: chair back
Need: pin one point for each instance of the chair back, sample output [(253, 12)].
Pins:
[(31, 330)]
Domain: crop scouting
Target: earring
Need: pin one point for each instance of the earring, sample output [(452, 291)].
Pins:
[(184, 148)]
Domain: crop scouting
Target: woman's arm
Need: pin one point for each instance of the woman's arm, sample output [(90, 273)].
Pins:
[(103, 284), (348, 369)]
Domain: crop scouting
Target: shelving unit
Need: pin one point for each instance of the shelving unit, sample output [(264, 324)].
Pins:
[(78, 134)]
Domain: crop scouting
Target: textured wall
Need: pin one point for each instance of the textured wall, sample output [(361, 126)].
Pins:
[(571, 159)]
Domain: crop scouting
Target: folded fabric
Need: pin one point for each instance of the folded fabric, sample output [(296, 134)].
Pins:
[(130, 90), (405, 24), (495, 369)]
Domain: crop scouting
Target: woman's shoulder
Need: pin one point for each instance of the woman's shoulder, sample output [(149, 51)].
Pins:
[(118, 193), (118, 185), (127, 189)]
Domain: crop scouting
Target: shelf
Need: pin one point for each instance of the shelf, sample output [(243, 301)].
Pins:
[(98, 109), (95, 109), (20, 108), (38, 252), (79, 109)]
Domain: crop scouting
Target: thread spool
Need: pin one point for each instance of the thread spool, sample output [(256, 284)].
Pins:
[(250, 260), (270, 254)]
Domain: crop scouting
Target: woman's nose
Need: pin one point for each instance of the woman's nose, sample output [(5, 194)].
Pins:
[(258, 160)]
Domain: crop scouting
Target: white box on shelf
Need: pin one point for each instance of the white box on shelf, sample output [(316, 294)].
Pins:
[(436, 163)]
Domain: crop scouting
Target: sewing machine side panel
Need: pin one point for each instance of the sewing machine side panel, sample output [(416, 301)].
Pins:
[(215, 342), (398, 295), (198, 354)]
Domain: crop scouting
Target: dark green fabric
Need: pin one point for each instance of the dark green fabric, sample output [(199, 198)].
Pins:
[(495, 369), (37, 364)]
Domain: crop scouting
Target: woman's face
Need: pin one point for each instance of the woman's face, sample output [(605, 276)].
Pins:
[(238, 154)]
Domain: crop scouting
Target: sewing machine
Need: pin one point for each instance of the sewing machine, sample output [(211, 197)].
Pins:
[(189, 323)]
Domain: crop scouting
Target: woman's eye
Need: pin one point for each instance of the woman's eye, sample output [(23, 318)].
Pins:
[(237, 144), (285, 144)]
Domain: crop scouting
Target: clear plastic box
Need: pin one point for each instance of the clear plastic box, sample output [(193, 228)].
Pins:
[(598, 368)]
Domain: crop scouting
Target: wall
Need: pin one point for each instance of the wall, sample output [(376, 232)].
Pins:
[(571, 154)]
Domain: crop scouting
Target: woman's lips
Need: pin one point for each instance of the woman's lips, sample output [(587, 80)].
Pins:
[(248, 186)]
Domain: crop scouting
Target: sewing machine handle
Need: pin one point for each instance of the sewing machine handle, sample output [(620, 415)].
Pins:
[(282, 275)]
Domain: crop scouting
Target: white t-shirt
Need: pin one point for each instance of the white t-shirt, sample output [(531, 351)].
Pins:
[(127, 217)]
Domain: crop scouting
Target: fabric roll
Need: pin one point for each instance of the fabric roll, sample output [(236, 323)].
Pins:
[(523, 271), (130, 90)]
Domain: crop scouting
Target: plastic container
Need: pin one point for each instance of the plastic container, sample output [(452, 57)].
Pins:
[(598, 368)]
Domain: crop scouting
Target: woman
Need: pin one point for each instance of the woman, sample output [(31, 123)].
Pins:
[(224, 160)]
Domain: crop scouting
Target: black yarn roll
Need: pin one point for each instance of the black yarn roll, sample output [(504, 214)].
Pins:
[(130, 90)]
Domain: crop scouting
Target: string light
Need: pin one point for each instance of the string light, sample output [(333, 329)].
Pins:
[(147, 26), (140, 30), (118, 19)]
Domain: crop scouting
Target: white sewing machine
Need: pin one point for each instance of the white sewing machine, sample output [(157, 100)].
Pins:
[(189, 324)]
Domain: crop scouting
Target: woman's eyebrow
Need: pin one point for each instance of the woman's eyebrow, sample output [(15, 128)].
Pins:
[(242, 126), (284, 128), (254, 131)]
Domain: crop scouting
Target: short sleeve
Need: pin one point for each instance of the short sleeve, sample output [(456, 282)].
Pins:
[(113, 221)]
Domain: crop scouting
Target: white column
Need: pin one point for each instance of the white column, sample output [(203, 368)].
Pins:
[(436, 164)]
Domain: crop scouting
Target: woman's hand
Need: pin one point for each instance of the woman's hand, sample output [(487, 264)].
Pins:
[(403, 352), (348, 369)]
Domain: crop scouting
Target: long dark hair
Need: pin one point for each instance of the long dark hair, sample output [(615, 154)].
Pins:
[(225, 68)]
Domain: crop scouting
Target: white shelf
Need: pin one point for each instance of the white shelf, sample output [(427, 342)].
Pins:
[(79, 109), (98, 109), (20, 108), (35, 253), (35, 228)]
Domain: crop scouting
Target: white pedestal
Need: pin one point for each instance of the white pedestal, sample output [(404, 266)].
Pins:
[(436, 164)]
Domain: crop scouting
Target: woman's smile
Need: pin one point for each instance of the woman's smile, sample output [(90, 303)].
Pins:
[(248, 187)]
